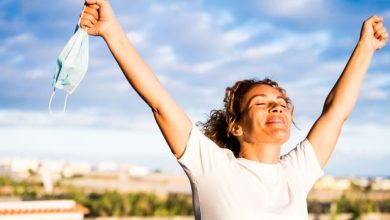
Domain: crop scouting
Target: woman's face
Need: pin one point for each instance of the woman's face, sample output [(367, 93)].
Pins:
[(265, 117)]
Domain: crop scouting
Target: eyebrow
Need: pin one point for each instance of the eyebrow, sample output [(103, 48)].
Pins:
[(263, 95)]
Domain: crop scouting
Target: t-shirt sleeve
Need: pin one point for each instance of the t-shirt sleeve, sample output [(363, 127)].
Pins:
[(202, 155), (303, 160)]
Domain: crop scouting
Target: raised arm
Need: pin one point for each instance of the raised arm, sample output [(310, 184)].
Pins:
[(99, 20), (342, 98)]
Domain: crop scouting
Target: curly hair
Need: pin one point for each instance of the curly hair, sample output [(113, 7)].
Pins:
[(220, 123)]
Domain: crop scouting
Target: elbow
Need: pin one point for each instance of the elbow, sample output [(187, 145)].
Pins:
[(155, 110), (155, 107), (158, 113)]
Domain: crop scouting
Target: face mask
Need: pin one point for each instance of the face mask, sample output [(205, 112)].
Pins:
[(72, 65)]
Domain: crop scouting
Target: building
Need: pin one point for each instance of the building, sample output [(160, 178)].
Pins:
[(18, 169), (42, 210)]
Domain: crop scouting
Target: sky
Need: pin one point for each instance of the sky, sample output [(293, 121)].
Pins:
[(196, 48)]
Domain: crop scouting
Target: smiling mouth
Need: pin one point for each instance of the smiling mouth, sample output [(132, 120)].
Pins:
[(275, 121)]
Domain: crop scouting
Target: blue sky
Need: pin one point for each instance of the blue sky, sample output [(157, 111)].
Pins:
[(197, 48)]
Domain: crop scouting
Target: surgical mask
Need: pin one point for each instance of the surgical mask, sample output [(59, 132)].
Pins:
[(72, 64)]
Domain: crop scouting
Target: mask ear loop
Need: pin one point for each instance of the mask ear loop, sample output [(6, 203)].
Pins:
[(51, 99), (54, 90)]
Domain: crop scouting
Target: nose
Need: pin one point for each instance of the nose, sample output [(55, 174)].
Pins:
[(276, 108)]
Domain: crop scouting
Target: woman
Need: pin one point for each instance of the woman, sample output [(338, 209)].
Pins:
[(245, 177)]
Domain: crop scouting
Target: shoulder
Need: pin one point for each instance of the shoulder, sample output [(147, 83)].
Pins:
[(202, 155), (302, 150), (302, 162)]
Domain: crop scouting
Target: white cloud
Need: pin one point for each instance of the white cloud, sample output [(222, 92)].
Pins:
[(364, 143), (233, 37), (367, 140), (307, 94), (22, 38), (263, 51), (10, 49), (81, 119), (137, 38), (17, 59), (35, 74), (87, 143), (193, 48), (292, 9), (224, 18), (290, 43), (164, 8), (164, 59), (206, 67), (121, 87), (86, 135), (128, 137), (374, 87), (164, 56), (196, 27), (382, 59), (375, 94)]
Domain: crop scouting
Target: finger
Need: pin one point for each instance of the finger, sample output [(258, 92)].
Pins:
[(93, 12), (380, 32), (384, 37), (378, 26), (374, 19), (89, 17), (98, 2), (86, 23), (95, 6)]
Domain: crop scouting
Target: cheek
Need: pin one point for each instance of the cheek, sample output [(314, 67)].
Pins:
[(252, 119), (257, 120)]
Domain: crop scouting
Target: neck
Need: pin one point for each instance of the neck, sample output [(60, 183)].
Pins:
[(264, 152)]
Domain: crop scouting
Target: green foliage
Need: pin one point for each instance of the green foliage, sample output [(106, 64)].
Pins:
[(355, 206), (179, 205), (77, 194), (317, 207), (5, 181), (111, 203), (29, 194), (347, 206), (385, 206)]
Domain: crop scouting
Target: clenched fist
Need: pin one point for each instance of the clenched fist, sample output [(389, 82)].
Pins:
[(374, 33)]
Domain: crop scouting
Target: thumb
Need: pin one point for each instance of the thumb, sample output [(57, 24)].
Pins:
[(98, 2)]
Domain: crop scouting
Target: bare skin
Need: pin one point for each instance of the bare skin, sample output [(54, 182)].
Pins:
[(265, 124), (263, 129), (99, 19), (342, 98), (338, 106)]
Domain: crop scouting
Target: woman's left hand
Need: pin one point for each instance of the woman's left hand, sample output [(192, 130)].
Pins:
[(374, 33)]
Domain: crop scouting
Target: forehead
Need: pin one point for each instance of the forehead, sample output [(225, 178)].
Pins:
[(263, 91)]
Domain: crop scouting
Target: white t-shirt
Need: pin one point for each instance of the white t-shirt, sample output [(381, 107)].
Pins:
[(229, 188)]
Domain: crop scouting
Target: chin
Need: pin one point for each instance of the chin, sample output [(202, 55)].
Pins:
[(282, 137)]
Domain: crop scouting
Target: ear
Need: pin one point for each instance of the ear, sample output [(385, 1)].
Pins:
[(237, 130)]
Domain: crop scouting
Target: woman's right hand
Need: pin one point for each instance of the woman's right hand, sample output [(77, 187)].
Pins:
[(98, 17)]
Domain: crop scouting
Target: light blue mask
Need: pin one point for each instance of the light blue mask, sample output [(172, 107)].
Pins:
[(72, 64)]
